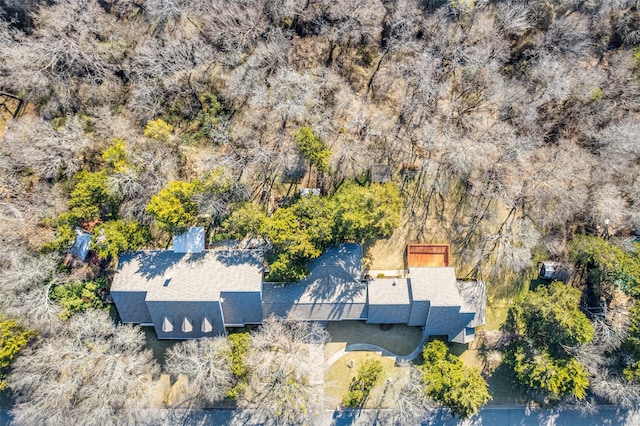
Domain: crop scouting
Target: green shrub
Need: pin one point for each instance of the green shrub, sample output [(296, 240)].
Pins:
[(158, 129), (240, 343), (368, 375), (12, 338), (78, 296)]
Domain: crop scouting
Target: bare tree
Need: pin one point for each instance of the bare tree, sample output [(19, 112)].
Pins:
[(513, 18), (64, 61), (25, 281), (90, 371), (404, 401), (234, 25), (31, 143), (599, 358), (206, 364), (568, 35), (282, 373)]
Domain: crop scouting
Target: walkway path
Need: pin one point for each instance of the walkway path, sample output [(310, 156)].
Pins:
[(373, 348)]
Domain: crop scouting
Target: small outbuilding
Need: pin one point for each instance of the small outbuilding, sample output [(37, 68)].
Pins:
[(308, 192), (80, 247), (554, 271)]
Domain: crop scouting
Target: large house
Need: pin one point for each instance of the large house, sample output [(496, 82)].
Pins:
[(190, 292)]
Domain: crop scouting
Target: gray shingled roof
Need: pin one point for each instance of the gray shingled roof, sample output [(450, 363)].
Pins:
[(333, 290), (389, 301), (389, 291), (474, 299), (166, 275), (132, 306), (321, 302), (241, 308), (435, 284)]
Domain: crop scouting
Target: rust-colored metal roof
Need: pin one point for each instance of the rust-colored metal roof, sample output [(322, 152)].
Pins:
[(427, 255)]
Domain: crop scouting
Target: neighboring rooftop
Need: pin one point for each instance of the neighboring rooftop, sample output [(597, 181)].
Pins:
[(170, 276)]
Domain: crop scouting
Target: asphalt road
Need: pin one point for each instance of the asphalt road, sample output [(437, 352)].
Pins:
[(489, 416)]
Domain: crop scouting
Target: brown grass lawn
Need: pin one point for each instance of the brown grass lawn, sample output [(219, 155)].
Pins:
[(387, 253), (399, 339), (332, 348), (338, 377), (158, 347)]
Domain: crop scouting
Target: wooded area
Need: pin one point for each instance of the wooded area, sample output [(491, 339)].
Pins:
[(508, 129)]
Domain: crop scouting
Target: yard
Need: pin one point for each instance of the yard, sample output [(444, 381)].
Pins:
[(158, 347), (398, 338), (338, 377)]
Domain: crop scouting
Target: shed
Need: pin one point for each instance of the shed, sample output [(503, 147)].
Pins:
[(554, 270), (80, 247), (422, 255)]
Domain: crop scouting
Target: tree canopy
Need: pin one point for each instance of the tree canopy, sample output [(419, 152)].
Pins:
[(117, 236), (549, 323), (78, 296), (92, 370), (452, 384), (206, 364), (631, 345), (607, 264), (12, 338), (173, 207), (312, 148), (550, 315), (367, 212), (281, 385), (557, 377), (369, 373), (303, 230)]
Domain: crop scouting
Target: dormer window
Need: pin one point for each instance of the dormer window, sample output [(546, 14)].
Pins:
[(167, 327), (206, 325), (186, 326)]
